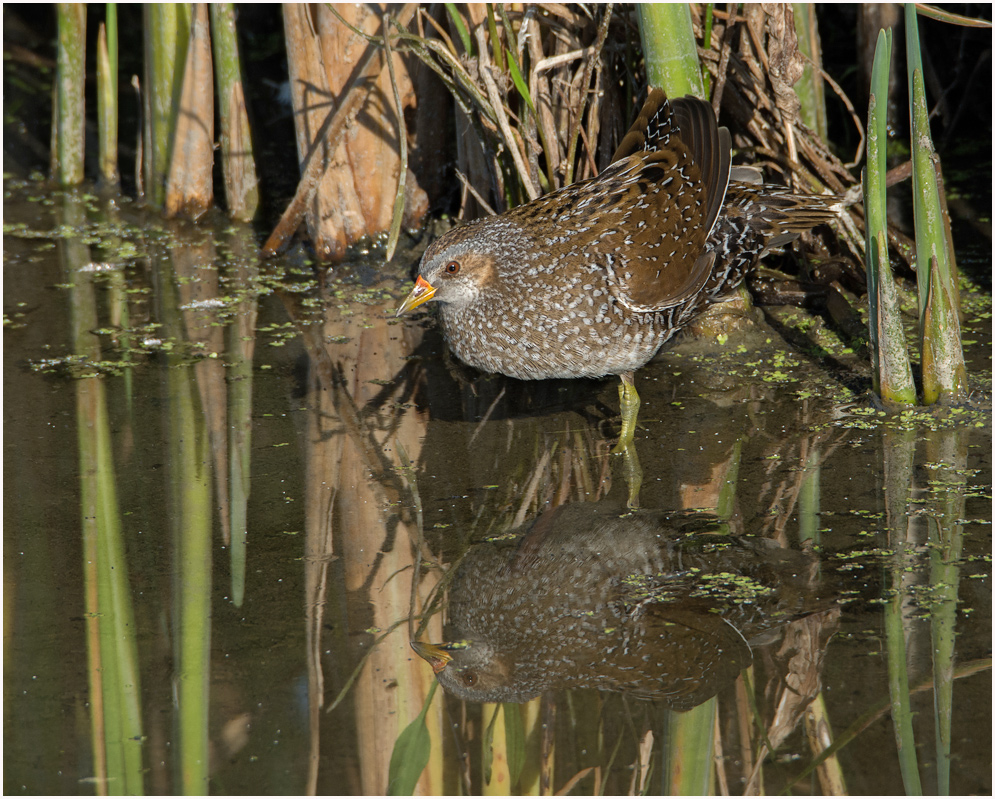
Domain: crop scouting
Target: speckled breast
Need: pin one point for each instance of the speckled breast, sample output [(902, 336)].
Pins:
[(596, 338)]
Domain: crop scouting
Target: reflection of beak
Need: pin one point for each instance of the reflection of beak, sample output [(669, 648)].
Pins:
[(435, 654), (421, 293)]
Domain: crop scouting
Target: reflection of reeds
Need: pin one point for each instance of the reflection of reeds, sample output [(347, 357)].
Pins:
[(947, 452), (374, 530), (115, 698), (240, 347), (191, 516)]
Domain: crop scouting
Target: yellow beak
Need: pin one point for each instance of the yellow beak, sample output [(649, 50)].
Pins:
[(420, 294), (436, 656)]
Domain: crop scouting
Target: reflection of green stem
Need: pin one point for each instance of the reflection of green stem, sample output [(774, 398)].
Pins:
[(899, 451), (689, 752), (111, 647), (190, 513), (808, 500), (898, 679), (241, 345), (946, 539)]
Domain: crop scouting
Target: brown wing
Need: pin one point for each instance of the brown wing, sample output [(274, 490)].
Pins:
[(711, 150), (685, 171), (652, 127)]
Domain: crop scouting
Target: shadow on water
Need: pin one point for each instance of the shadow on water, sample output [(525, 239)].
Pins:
[(235, 496)]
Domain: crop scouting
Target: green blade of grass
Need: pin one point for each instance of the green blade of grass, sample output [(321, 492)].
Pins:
[(411, 753)]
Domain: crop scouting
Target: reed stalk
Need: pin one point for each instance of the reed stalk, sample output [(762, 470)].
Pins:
[(669, 48), (167, 31), (190, 180), (810, 88), (68, 128), (528, 782), (944, 375), (107, 107), (891, 370), (496, 777), (237, 155)]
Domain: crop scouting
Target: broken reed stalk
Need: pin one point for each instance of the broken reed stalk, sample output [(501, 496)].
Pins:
[(891, 371), (237, 156), (944, 375), (69, 113), (330, 132), (107, 108), (190, 180)]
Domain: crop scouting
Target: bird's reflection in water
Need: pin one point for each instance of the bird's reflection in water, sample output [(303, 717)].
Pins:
[(655, 605)]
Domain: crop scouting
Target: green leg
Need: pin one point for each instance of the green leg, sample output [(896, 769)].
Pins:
[(628, 399)]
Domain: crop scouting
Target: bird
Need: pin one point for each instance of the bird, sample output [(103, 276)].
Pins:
[(592, 279), (657, 605)]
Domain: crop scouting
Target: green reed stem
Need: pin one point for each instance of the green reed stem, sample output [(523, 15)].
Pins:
[(891, 370), (237, 155), (402, 138), (810, 88), (670, 49), (167, 32), (808, 500), (68, 130), (944, 375)]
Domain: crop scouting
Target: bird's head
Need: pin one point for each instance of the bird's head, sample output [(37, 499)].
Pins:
[(458, 267), (476, 672)]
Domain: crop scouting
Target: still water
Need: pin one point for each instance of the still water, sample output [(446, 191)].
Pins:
[(234, 494)]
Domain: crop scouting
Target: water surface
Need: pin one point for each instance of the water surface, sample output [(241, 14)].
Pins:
[(234, 493)]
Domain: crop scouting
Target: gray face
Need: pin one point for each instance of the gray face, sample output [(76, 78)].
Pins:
[(477, 673), (463, 265)]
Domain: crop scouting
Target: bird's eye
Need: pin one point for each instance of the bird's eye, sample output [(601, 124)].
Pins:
[(452, 267), (469, 679)]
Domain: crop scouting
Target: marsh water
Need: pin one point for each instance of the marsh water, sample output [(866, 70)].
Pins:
[(235, 490)]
